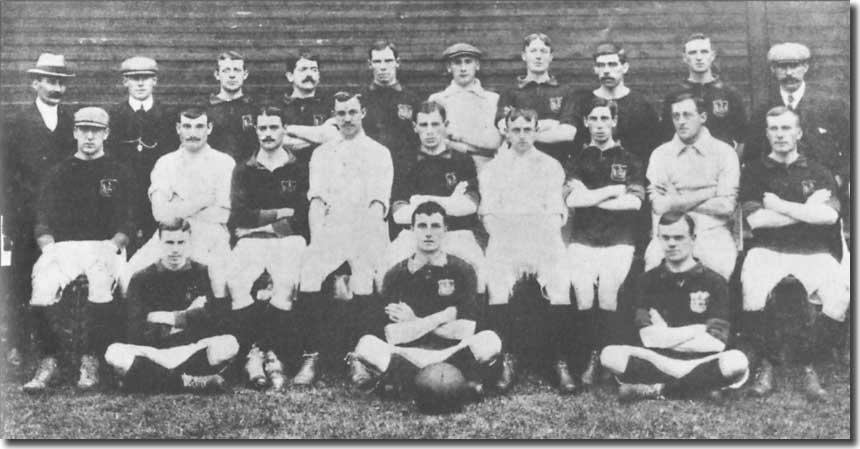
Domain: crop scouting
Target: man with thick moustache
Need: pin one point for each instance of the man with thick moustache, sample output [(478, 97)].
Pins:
[(727, 118), (142, 130), (303, 106), (540, 91), (35, 138)]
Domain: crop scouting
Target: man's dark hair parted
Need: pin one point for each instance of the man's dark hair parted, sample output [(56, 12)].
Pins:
[(193, 112), (608, 48), (269, 110), (598, 102), (302, 54), (382, 44), (430, 208), (670, 218), (177, 224), (528, 114), (699, 101), (429, 107)]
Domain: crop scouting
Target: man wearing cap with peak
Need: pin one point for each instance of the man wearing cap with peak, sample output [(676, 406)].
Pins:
[(471, 109), (540, 91), (84, 216), (35, 138), (727, 119), (142, 130), (231, 111)]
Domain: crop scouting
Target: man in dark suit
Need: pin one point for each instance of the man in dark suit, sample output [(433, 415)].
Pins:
[(37, 136), (142, 130)]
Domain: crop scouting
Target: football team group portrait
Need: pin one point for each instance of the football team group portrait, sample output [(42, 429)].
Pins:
[(386, 219)]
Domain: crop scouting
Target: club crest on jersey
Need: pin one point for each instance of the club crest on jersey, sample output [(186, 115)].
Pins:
[(404, 111), (720, 107), (699, 301), (319, 119), (451, 179), (108, 187), (618, 172), (288, 186), (808, 186), (247, 122), (555, 104), (446, 287)]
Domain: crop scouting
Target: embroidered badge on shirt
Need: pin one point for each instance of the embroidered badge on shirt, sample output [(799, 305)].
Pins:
[(618, 173), (288, 186), (108, 187), (446, 287), (699, 301), (247, 122), (404, 111), (808, 186), (451, 179), (720, 107), (555, 103)]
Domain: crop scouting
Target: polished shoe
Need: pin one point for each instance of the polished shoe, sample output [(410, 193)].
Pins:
[(275, 371), (361, 376), (566, 383), (213, 383), (590, 375), (763, 384), (474, 390), (508, 373), (89, 373), (44, 376), (254, 368), (811, 385), (308, 372), (635, 392)]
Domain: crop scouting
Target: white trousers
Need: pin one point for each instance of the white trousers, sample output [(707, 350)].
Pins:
[(603, 266), (60, 263), (281, 257)]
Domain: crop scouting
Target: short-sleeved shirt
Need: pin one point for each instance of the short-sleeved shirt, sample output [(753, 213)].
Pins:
[(794, 182), (696, 296), (233, 130), (257, 193), (727, 117), (311, 111), (551, 100), (637, 121), (433, 288), (708, 162), (389, 121), (438, 175), (87, 200), (598, 168)]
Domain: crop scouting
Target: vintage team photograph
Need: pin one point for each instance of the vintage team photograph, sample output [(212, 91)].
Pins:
[(390, 219)]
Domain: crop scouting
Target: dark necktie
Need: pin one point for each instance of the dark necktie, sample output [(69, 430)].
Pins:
[(790, 102)]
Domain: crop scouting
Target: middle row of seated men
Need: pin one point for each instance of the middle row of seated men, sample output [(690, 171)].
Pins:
[(301, 224)]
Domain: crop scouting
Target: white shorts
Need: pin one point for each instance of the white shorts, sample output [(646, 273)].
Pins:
[(281, 257), (604, 266), (714, 248), (210, 245), (821, 275), (362, 246), (527, 248), (60, 263), (458, 243)]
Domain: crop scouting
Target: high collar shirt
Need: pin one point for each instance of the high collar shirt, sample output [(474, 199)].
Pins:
[(708, 162), (796, 96), (349, 174), (137, 104), (48, 113), (470, 111)]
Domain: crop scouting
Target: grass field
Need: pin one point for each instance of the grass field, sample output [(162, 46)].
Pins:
[(532, 410)]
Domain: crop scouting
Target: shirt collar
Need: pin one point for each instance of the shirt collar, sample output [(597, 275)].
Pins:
[(254, 163), (215, 99), (447, 153), (589, 147), (797, 95), (44, 107), (159, 265), (475, 88), (204, 152), (418, 261), (525, 80), (698, 268), (396, 86), (698, 145), (716, 82), (769, 162), (289, 98), (135, 103)]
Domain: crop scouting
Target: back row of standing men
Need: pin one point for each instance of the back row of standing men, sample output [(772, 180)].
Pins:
[(581, 130)]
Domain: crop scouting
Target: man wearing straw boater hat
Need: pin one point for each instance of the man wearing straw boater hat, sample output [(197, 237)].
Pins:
[(36, 137)]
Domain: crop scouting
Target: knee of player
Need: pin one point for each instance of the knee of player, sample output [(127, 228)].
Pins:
[(120, 357), (370, 345), (222, 349), (733, 363), (614, 358), (485, 345)]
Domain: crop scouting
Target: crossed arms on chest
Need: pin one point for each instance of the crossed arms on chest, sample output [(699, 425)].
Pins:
[(406, 327), (690, 338)]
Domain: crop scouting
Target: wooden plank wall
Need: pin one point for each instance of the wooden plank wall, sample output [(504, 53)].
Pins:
[(186, 36)]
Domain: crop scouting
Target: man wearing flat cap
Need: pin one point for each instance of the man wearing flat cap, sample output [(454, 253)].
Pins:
[(141, 130), (36, 136), (84, 216), (470, 108)]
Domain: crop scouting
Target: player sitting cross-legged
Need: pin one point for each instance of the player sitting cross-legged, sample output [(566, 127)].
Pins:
[(429, 307), (172, 342), (682, 312)]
